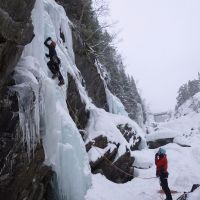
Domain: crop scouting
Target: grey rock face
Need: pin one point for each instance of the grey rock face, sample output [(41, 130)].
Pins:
[(160, 142), (84, 59), (16, 31), (72, 8), (130, 136), (121, 170), (86, 64), (100, 141), (20, 177), (76, 107)]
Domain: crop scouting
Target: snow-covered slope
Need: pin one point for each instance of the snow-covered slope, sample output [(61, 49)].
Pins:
[(183, 169), (103, 123), (184, 126), (191, 105), (183, 164)]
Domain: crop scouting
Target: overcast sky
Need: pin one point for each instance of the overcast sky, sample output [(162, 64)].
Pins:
[(160, 44)]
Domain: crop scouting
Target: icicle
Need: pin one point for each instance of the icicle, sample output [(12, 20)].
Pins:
[(27, 89), (114, 104)]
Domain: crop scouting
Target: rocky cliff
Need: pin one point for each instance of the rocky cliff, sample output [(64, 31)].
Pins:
[(16, 31), (20, 178)]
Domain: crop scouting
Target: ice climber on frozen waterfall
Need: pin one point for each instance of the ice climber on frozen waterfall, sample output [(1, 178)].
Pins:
[(161, 171), (54, 63)]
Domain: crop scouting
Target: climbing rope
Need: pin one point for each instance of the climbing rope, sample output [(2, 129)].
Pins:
[(111, 163), (108, 161)]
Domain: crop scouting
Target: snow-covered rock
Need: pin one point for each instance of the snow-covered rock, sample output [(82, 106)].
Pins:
[(190, 106)]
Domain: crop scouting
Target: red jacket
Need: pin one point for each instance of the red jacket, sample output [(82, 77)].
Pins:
[(161, 165)]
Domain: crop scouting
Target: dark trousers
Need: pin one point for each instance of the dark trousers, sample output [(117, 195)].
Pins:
[(54, 68), (165, 187)]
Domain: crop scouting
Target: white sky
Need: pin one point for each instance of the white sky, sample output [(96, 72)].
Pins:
[(160, 44)]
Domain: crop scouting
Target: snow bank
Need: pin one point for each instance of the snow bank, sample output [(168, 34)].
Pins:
[(182, 129), (183, 167), (162, 134), (191, 105), (183, 162), (195, 195), (183, 124), (105, 124), (95, 152), (143, 159)]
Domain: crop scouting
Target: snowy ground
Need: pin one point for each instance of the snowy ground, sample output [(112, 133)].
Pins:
[(183, 168)]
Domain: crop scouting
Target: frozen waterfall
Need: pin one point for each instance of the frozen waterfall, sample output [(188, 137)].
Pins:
[(63, 145)]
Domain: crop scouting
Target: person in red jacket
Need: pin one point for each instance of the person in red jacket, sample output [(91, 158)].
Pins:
[(161, 171)]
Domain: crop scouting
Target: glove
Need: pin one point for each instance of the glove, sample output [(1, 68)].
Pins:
[(47, 55), (49, 38)]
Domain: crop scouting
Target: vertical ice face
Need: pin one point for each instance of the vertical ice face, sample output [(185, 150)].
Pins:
[(28, 92), (114, 104), (63, 145)]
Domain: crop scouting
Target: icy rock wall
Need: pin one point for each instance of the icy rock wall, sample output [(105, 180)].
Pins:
[(28, 88), (114, 104), (63, 145)]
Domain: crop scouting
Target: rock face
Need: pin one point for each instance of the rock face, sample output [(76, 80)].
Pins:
[(160, 142), (85, 62), (119, 171), (16, 31), (84, 57), (130, 135), (72, 8), (100, 141), (20, 177), (76, 107)]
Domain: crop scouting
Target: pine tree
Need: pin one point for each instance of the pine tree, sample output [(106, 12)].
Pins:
[(99, 42), (193, 87), (183, 95)]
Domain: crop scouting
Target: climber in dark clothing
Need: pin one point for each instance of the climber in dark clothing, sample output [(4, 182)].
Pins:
[(54, 63), (161, 171)]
